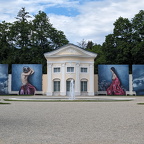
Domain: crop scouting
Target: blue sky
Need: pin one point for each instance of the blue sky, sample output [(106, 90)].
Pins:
[(70, 12), (90, 20)]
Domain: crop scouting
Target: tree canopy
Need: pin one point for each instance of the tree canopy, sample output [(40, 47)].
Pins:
[(126, 44), (26, 40)]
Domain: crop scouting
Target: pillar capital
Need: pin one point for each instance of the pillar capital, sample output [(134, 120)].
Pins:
[(63, 64), (49, 65), (91, 65), (77, 64)]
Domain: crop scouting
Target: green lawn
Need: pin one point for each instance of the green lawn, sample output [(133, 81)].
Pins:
[(3, 103), (140, 103), (82, 100)]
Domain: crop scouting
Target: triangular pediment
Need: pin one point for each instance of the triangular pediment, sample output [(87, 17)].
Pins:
[(70, 50)]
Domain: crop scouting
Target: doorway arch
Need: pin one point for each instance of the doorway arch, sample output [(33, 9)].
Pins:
[(68, 86)]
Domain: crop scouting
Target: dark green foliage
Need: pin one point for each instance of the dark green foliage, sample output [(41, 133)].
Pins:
[(117, 47), (126, 44), (25, 41), (100, 59)]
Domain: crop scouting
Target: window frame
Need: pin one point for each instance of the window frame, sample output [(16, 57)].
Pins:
[(57, 70), (70, 69), (56, 86), (68, 86), (84, 85), (83, 69)]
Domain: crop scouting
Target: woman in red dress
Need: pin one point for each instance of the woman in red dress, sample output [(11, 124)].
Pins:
[(115, 87)]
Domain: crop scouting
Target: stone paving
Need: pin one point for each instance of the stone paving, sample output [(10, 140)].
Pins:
[(120, 122)]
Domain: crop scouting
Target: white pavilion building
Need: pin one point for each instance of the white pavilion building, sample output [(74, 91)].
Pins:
[(68, 63)]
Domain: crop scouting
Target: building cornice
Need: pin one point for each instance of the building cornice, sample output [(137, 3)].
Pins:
[(72, 61)]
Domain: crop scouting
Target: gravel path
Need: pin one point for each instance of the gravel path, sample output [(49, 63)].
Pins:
[(72, 122)]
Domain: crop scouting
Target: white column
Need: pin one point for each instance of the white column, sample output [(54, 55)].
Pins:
[(77, 81), (49, 79), (130, 83), (91, 80), (9, 83), (63, 81)]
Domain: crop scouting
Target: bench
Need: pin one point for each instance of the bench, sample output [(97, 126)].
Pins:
[(101, 93), (105, 93), (131, 93), (14, 92)]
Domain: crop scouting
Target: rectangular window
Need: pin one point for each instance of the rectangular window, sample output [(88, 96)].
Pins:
[(57, 69), (68, 85), (70, 69), (84, 70), (84, 86), (56, 86)]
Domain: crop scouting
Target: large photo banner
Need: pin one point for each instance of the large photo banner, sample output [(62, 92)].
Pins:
[(27, 78), (138, 79), (114, 79), (3, 79)]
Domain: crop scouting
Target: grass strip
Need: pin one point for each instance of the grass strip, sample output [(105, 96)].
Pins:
[(66, 100), (15, 95), (140, 103), (3, 103)]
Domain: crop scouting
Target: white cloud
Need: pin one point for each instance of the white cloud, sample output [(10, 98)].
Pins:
[(3, 75), (96, 19), (94, 22)]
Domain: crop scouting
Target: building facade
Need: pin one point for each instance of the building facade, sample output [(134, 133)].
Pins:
[(70, 63)]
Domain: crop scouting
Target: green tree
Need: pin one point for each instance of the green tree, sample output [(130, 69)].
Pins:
[(45, 35), (44, 38), (90, 45), (5, 44), (25, 41), (123, 40), (138, 38), (82, 44), (21, 30), (20, 37), (117, 46), (109, 49), (96, 48), (126, 44)]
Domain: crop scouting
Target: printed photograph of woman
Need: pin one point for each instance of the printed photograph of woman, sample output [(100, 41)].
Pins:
[(114, 79), (26, 88), (26, 78), (115, 88)]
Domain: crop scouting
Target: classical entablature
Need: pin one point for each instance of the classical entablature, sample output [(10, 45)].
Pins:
[(67, 63)]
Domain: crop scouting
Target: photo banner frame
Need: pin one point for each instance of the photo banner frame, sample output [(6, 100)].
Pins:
[(26, 78), (138, 79), (114, 79), (3, 79)]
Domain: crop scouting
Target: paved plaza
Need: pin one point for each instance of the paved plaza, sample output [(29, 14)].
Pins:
[(120, 122)]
